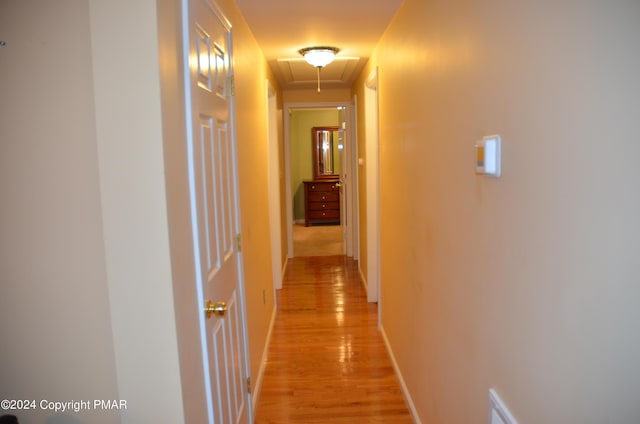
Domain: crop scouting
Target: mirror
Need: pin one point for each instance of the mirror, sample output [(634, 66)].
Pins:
[(326, 156)]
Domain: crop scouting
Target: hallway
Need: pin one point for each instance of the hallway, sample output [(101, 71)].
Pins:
[(327, 361)]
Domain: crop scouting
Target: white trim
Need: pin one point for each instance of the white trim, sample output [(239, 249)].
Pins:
[(222, 17), (403, 386), (498, 411), (356, 183), (287, 180), (274, 186), (186, 36), (372, 163), (372, 79), (257, 386), (362, 277), (284, 266)]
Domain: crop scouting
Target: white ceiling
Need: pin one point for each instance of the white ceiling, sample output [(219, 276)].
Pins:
[(282, 27)]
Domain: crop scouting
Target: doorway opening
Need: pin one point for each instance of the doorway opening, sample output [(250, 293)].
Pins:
[(335, 192)]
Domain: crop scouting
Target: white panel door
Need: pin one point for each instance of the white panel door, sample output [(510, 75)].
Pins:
[(214, 210)]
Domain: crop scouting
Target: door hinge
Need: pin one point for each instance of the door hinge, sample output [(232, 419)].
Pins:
[(238, 243), (249, 385), (232, 88)]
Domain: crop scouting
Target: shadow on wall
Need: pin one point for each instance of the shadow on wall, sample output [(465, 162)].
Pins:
[(298, 203), (56, 419)]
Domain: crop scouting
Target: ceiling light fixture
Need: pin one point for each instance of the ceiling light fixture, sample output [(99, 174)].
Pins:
[(319, 57)]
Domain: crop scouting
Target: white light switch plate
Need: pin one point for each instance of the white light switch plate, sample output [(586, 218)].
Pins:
[(498, 412), (489, 155)]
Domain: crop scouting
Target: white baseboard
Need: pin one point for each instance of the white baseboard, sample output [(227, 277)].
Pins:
[(403, 386), (257, 385), (284, 269), (364, 280)]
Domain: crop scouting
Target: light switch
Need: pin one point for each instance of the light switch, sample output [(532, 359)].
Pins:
[(488, 153)]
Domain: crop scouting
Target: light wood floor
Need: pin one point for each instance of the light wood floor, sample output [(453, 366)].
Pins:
[(327, 362)]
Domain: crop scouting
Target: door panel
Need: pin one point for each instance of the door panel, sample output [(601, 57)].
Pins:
[(215, 212)]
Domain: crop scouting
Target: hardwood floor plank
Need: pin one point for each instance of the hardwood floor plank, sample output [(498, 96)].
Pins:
[(327, 362)]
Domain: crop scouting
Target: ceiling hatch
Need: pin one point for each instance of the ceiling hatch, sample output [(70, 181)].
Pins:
[(297, 73)]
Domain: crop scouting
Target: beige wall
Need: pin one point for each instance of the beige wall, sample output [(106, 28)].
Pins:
[(126, 85), (527, 283), (55, 317)]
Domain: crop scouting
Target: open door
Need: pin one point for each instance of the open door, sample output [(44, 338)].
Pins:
[(347, 181), (214, 210)]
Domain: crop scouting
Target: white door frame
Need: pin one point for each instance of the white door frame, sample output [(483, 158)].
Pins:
[(356, 180), (274, 187), (349, 178), (372, 162), (351, 218)]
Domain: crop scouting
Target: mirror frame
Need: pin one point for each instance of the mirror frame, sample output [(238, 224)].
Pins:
[(315, 146)]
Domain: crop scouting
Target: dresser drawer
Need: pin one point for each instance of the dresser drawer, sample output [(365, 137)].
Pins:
[(324, 196), (320, 206), (322, 186), (328, 215)]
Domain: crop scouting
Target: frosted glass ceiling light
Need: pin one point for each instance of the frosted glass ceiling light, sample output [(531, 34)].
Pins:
[(319, 57)]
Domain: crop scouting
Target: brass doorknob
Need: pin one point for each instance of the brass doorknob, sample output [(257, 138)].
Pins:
[(218, 308)]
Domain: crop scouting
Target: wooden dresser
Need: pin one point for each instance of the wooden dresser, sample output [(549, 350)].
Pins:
[(321, 202)]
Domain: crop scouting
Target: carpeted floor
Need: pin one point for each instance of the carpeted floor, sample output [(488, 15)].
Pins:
[(317, 240)]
